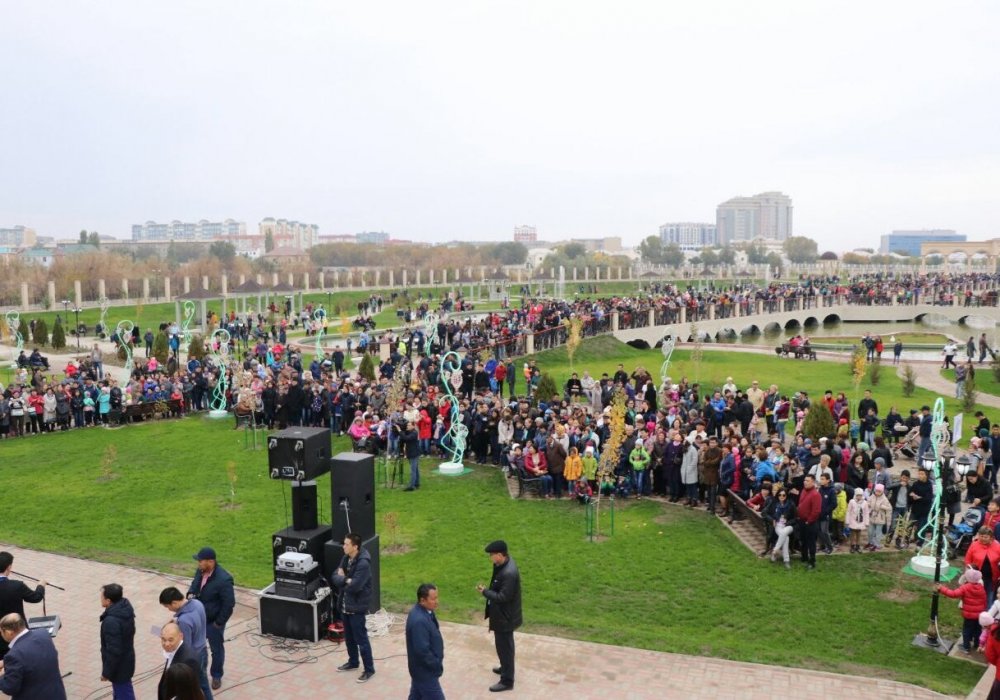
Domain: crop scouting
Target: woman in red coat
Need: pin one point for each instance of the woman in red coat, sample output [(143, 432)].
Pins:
[(424, 425), (992, 653)]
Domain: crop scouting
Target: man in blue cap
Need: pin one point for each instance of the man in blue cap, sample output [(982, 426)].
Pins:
[(213, 586), (503, 610)]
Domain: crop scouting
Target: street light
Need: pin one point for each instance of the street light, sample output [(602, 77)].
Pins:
[(77, 310)]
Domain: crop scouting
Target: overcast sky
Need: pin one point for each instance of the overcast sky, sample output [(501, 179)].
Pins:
[(437, 121)]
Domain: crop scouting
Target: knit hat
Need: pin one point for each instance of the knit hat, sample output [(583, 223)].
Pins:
[(879, 488), (863, 446), (859, 492), (985, 619), (973, 575), (879, 460), (838, 487)]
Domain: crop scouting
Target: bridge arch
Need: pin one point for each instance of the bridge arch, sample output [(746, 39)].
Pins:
[(772, 328), (831, 318), (811, 322), (752, 329), (792, 323)]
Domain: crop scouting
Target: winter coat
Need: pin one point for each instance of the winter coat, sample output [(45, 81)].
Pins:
[(689, 465), (117, 642), (879, 510), (973, 597), (857, 514)]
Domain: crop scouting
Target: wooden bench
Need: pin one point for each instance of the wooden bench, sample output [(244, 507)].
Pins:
[(799, 353), (141, 411), (748, 513), (525, 482)]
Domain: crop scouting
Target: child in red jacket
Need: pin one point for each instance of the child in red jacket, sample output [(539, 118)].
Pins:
[(973, 597), (991, 631)]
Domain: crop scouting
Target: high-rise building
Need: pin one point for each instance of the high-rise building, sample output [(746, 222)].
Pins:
[(688, 234), (525, 234), (908, 242), (765, 215), (373, 237), (287, 233), (18, 237), (185, 231)]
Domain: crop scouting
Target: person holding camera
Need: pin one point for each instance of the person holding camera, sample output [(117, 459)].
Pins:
[(410, 441)]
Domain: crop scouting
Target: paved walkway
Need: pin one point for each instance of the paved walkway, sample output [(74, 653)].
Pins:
[(259, 667)]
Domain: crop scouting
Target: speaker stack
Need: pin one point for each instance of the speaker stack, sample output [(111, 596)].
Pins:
[(290, 607), (352, 501)]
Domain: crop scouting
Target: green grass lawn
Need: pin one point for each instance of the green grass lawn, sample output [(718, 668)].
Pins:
[(668, 579)]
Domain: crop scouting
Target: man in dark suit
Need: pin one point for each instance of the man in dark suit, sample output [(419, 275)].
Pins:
[(424, 646), (176, 652), (30, 670), (213, 586), (14, 594), (503, 609)]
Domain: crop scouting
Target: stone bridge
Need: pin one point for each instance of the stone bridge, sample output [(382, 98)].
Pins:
[(762, 317)]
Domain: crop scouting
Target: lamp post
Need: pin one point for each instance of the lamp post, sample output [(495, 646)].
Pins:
[(76, 331), (66, 303)]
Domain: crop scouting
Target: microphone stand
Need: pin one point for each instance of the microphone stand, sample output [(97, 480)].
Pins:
[(32, 578)]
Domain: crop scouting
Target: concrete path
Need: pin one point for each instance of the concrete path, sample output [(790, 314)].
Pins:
[(266, 667)]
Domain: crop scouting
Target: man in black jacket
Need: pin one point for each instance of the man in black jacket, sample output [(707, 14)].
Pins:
[(213, 586), (411, 449), (176, 652), (14, 594), (503, 610), (117, 642), (353, 579)]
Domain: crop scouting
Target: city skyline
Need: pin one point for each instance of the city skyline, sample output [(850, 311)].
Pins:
[(426, 121)]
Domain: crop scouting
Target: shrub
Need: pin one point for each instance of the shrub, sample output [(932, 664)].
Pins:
[(367, 367), (909, 380), (873, 372), (196, 348), (969, 395), (546, 388), (22, 328), (994, 365), (58, 336), (41, 333), (818, 423), (161, 347)]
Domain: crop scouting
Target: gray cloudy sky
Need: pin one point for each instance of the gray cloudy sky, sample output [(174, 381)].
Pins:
[(444, 120)]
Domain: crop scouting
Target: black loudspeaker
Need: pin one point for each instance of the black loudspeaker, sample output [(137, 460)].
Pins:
[(352, 494), (299, 454), (335, 553), (291, 618), (301, 541), (304, 511)]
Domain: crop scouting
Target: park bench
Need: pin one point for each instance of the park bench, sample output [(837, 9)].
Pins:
[(142, 411), (799, 353), (748, 513), (525, 481)]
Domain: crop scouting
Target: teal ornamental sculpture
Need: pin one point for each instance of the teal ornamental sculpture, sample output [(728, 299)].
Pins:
[(13, 319), (123, 333), (318, 316), (220, 358), (102, 323), (457, 433), (430, 330), (186, 334)]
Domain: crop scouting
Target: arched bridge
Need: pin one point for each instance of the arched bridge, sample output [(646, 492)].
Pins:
[(762, 317)]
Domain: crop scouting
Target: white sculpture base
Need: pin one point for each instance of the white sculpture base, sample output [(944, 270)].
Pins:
[(452, 468), (925, 564), (218, 414)]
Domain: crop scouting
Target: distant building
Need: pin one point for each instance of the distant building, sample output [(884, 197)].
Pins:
[(287, 254), (337, 238), (765, 215), (373, 237), (525, 234), (181, 231), (908, 242), (290, 233), (18, 237), (688, 235), (608, 244)]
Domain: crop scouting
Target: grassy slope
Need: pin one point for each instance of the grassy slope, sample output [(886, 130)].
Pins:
[(668, 579)]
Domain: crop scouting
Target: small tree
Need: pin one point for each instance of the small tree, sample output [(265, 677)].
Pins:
[(574, 338), (58, 336), (367, 367), (41, 333), (818, 423), (874, 373), (969, 395), (546, 388), (697, 351), (161, 347), (22, 329), (196, 348), (909, 380), (994, 366)]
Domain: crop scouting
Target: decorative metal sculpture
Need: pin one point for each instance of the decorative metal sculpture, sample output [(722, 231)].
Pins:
[(939, 440), (667, 348), (455, 438), (123, 334), (430, 330), (220, 358), (318, 316), (13, 319), (102, 323), (189, 312)]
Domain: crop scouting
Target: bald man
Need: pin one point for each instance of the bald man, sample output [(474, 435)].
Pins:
[(31, 667), (176, 652)]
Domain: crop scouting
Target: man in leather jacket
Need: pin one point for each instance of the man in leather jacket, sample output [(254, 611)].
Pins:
[(503, 610)]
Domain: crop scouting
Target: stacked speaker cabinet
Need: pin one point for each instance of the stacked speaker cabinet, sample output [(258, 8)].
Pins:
[(352, 500)]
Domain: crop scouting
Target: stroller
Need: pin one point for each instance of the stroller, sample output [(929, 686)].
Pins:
[(960, 535), (908, 445)]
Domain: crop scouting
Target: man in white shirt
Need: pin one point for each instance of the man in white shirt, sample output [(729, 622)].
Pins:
[(175, 651)]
